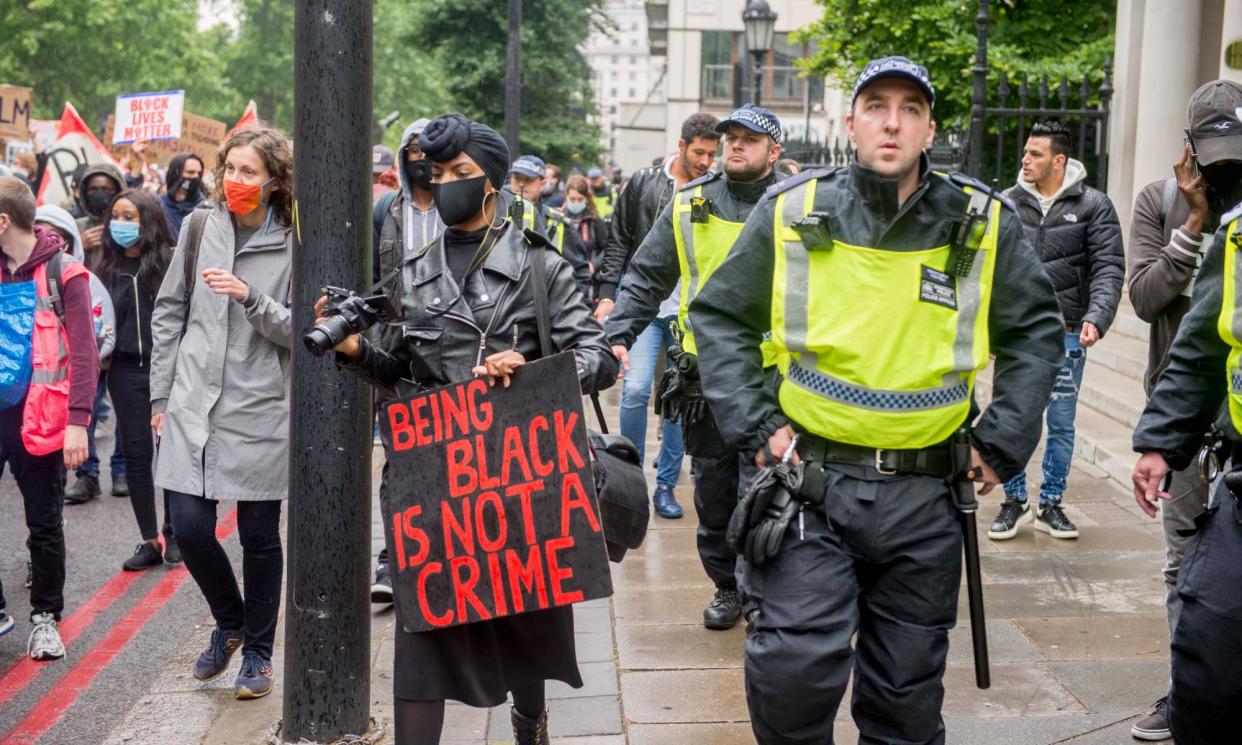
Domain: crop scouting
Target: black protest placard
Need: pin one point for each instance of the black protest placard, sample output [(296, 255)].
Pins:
[(491, 501)]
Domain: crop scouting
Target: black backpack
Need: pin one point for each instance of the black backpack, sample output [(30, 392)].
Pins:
[(194, 239)]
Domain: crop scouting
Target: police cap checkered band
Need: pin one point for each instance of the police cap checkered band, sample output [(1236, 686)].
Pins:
[(895, 67), (529, 165), (753, 118)]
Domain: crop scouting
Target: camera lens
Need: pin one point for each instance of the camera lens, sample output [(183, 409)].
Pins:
[(326, 335)]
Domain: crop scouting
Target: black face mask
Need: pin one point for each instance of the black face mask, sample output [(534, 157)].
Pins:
[(418, 172), (192, 188), (1224, 178), (97, 201), (458, 201)]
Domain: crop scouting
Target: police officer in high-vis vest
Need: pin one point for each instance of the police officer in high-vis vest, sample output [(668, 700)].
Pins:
[(603, 192), (1204, 372), (688, 241), (526, 178), (884, 288)]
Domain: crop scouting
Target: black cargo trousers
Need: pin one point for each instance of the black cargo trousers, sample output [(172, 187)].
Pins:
[(882, 558), (1206, 693)]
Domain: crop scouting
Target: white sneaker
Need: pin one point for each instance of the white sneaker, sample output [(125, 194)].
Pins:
[(6, 623), (45, 643)]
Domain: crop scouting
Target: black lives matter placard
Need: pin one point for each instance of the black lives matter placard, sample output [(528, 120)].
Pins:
[(492, 508)]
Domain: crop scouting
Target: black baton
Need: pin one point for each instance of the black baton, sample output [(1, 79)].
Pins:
[(964, 498)]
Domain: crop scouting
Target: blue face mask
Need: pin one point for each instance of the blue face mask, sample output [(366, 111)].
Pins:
[(124, 233), (575, 208)]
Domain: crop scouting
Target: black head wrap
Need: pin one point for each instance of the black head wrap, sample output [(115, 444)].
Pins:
[(451, 134)]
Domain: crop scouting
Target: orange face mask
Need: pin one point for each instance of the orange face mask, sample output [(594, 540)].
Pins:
[(243, 198)]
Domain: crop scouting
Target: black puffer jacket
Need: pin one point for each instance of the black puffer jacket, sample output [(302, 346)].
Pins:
[(1079, 241), (641, 201)]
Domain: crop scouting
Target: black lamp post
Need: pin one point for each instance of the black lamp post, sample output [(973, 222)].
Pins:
[(760, 23)]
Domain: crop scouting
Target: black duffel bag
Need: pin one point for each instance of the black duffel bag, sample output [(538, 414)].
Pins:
[(622, 490)]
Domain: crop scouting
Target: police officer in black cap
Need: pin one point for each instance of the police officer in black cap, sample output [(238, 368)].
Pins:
[(688, 241), (875, 284)]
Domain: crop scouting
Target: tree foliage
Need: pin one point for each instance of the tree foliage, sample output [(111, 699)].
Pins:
[(88, 52), (1038, 37), (468, 38), (430, 57)]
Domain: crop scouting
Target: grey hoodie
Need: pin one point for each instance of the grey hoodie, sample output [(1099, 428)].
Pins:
[(420, 228), (101, 302), (1074, 172)]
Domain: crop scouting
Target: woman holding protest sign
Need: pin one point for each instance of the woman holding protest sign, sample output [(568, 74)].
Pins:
[(467, 309), (220, 351)]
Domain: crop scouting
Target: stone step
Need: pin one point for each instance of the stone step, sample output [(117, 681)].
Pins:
[(1121, 354), (1100, 439), (1112, 394), (1127, 323)]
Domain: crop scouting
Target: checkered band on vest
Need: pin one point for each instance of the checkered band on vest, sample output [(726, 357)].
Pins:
[(1235, 381), (853, 395)]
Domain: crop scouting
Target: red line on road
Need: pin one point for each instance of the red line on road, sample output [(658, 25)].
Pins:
[(65, 692)]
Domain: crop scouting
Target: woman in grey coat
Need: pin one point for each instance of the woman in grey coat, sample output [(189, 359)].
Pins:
[(219, 380), (467, 309)]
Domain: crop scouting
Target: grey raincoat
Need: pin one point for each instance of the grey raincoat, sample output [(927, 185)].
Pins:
[(223, 385)]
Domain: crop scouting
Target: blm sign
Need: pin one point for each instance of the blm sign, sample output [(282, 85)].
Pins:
[(491, 501)]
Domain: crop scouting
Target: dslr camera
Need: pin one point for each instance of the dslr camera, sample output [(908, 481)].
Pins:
[(346, 313)]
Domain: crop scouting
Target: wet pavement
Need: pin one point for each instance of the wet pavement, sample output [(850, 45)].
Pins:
[(1076, 631)]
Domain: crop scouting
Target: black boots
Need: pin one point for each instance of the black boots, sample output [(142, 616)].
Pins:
[(527, 731)]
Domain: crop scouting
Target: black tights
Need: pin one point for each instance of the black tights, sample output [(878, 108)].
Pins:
[(421, 722)]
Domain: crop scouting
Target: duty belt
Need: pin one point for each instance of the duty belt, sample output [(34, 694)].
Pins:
[(936, 460)]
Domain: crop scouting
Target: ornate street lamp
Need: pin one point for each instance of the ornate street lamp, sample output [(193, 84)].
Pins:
[(760, 23)]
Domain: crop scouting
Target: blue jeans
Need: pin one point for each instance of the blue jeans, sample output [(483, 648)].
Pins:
[(636, 392), (90, 466), (1059, 451)]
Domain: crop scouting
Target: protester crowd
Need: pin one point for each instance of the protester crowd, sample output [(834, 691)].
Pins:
[(162, 297)]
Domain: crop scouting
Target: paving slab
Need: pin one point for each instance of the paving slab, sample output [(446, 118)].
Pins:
[(1121, 686), (1128, 637), (1018, 691), (672, 647), (580, 717), (684, 696), (1005, 643)]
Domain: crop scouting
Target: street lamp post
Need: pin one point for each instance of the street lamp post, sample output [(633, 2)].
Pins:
[(760, 23)]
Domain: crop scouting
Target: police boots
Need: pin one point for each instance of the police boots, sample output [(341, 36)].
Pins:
[(527, 731)]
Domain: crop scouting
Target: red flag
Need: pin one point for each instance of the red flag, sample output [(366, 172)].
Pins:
[(249, 118), (75, 144)]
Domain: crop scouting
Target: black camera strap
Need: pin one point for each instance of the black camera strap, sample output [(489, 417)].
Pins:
[(543, 319)]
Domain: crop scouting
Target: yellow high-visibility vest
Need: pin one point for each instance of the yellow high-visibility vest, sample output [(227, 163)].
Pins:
[(1229, 323), (877, 348)]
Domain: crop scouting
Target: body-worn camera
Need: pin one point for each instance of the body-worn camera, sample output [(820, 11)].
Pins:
[(347, 313)]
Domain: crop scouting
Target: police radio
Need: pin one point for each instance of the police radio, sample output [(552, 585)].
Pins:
[(967, 237)]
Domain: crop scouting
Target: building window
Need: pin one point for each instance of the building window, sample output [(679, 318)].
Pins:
[(614, 74), (633, 59), (612, 93), (723, 50), (615, 59), (612, 109), (633, 76), (633, 93)]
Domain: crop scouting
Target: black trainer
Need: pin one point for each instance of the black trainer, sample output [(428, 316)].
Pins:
[(1012, 516), (145, 556), (84, 489), (1052, 520), (1155, 726), (120, 485), (381, 588), (724, 611)]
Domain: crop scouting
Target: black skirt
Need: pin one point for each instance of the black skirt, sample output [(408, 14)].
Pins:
[(479, 663)]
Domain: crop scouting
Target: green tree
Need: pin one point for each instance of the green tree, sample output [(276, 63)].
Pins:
[(406, 77), (468, 38), (1038, 37), (259, 61), (89, 52)]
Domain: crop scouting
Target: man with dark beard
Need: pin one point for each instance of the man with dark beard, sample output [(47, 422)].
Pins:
[(688, 241)]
